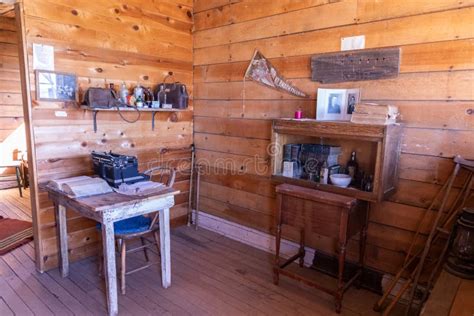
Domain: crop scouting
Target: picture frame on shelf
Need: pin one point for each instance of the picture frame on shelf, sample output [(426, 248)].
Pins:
[(336, 104), (55, 86)]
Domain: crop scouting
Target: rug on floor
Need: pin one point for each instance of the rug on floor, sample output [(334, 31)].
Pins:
[(14, 233)]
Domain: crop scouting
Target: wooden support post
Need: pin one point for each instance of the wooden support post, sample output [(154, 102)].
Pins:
[(198, 186)]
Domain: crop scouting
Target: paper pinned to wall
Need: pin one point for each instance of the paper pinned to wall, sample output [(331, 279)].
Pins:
[(353, 42), (43, 57)]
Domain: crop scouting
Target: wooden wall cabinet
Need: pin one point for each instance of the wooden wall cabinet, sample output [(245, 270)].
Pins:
[(378, 149)]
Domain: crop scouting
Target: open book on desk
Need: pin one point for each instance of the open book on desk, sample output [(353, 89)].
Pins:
[(140, 188), (81, 186)]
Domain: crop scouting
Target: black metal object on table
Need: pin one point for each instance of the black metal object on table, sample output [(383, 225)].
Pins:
[(117, 169)]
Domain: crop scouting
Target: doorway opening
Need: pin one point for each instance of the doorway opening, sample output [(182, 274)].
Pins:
[(17, 216)]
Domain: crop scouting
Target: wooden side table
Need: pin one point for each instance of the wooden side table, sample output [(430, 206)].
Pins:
[(328, 214)]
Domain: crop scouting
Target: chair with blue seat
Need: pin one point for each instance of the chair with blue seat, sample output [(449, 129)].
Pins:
[(139, 227)]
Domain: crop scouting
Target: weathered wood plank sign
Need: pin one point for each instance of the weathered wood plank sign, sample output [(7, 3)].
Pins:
[(356, 65)]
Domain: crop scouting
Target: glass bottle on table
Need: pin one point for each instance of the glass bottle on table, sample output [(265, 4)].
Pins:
[(352, 167)]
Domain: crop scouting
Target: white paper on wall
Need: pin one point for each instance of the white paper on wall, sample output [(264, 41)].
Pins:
[(43, 57), (353, 42)]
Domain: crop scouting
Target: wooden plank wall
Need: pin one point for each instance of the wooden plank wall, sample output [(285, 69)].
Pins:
[(106, 42), (434, 92), (11, 109)]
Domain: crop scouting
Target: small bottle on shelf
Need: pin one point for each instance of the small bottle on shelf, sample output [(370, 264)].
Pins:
[(317, 176), (324, 173), (369, 185), (139, 101), (352, 167), (124, 93)]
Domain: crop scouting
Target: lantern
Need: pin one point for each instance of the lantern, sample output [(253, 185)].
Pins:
[(460, 261)]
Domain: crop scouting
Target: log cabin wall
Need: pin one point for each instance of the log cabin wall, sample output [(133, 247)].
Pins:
[(106, 42), (12, 135), (434, 92)]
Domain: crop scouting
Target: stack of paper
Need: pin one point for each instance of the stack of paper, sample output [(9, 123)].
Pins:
[(377, 114)]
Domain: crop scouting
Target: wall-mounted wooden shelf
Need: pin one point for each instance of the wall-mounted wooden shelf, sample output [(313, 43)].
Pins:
[(129, 109), (380, 145)]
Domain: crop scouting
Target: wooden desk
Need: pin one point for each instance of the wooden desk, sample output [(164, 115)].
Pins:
[(107, 209), (324, 213)]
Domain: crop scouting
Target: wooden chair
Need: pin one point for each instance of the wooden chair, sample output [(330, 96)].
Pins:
[(139, 227)]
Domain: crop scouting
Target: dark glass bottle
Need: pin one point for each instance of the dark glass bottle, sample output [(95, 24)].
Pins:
[(369, 185), (353, 167)]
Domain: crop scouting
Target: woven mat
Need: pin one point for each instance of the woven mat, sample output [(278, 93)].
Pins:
[(14, 233)]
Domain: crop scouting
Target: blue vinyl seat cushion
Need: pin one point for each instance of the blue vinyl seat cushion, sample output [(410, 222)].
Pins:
[(131, 225)]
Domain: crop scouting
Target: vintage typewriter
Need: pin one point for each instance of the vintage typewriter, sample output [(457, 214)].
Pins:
[(117, 169)]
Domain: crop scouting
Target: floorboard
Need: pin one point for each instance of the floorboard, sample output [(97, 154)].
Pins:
[(211, 275)]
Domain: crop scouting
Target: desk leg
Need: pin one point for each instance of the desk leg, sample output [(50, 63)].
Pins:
[(276, 263), (108, 241), (302, 250), (18, 180), (362, 243), (340, 281), (344, 220), (165, 247), (61, 228)]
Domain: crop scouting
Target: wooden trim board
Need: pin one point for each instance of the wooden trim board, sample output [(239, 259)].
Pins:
[(29, 133), (251, 237)]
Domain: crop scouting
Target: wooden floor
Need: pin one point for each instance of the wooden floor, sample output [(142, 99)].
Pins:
[(211, 274)]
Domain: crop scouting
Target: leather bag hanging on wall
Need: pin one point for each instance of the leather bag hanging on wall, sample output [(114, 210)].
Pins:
[(105, 98), (174, 95), (101, 98)]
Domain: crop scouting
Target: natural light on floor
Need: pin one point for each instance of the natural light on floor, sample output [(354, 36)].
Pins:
[(12, 147)]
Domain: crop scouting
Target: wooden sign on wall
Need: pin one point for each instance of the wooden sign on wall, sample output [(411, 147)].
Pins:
[(356, 65)]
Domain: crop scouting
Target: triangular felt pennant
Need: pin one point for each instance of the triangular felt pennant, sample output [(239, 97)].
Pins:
[(262, 71)]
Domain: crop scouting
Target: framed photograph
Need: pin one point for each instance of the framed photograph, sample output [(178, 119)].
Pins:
[(55, 86), (336, 104)]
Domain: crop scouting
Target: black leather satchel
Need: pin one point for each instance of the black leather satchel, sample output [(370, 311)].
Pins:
[(175, 94), (101, 98)]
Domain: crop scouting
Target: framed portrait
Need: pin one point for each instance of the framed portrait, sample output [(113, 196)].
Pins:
[(55, 86), (336, 104)]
